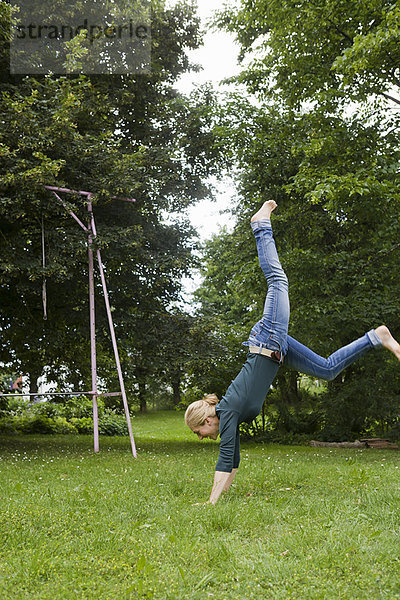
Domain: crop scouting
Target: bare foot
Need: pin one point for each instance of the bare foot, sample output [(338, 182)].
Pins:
[(388, 340), (265, 211)]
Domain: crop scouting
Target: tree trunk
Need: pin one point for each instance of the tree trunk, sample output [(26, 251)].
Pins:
[(288, 387), (293, 386), (33, 382), (142, 397), (176, 388)]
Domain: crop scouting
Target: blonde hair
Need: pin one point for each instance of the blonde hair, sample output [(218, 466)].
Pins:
[(197, 412)]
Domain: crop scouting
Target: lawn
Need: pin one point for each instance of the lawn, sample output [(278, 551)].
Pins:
[(298, 523)]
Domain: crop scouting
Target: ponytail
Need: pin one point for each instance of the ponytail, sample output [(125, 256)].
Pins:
[(198, 411)]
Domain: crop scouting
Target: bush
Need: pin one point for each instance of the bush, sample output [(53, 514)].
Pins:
[(75, 407), (81, 407), (84, 425), (297, 420), (393, 433), (36, 424), (110, 423), (13, 424), (283, 437), (61, 425), (7, 426), (17, 405), (43, 424), (113, 424), (44, 409)]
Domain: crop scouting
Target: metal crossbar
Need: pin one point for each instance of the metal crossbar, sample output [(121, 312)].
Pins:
[(107, 394)]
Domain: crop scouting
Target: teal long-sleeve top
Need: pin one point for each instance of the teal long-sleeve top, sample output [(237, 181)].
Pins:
[(242, 403)]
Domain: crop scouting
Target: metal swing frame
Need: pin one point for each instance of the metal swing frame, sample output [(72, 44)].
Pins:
[(92, 234)]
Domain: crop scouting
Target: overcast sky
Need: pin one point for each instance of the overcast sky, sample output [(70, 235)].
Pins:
[(217, 56), (218, 59)]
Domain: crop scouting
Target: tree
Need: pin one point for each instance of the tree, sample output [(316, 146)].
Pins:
[(330, 163), (129, 136), (325, 52)]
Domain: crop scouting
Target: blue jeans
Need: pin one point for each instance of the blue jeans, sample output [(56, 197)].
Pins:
[(272, 330)]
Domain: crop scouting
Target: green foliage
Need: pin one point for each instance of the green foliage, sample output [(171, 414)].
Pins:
[(288, 438), (83, 425), (31, 423), (366, 402), (6, 380), (119, 135), (393, 433), (81, 407), (7, 426), (73, 416), (321, 139), (112, 424), (74, 406), (322, 52)]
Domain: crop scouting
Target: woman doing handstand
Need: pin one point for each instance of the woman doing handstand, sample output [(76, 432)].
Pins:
[(269, 343)]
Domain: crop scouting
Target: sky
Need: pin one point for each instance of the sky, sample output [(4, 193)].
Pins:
[(218, 59), (217, 56)]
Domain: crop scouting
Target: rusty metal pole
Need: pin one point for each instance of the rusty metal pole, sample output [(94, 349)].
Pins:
[(92, 318), (114, 341)]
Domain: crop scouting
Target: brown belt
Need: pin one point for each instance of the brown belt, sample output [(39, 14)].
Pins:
[(275, 354)]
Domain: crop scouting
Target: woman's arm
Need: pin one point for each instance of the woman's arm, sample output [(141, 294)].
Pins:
[(230, 479), (222, 482), (229, 454)]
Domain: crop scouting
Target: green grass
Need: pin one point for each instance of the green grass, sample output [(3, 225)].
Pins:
[(298, 523)]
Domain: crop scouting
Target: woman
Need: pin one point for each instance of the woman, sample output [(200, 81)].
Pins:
[(269, 343)]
